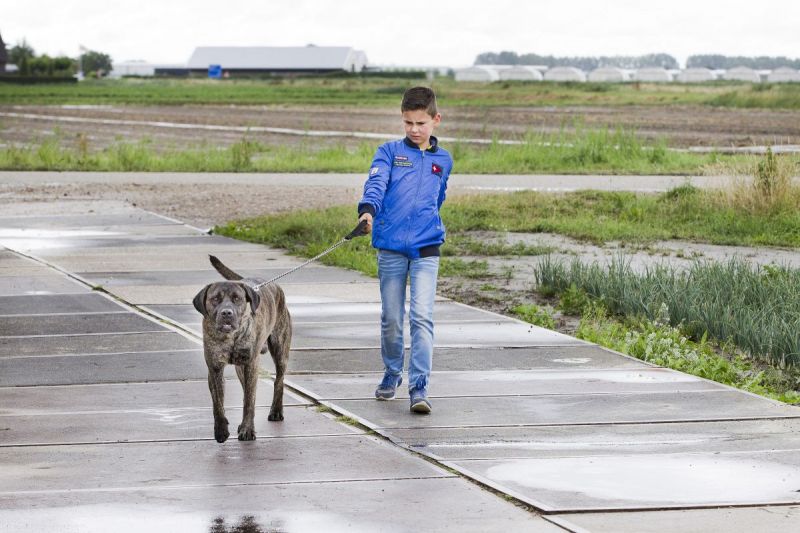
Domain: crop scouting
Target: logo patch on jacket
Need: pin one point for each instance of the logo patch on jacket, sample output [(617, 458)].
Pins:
[(436, 169), (402, 161)]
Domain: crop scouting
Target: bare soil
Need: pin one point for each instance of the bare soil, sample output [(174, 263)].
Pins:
[(679, 126)]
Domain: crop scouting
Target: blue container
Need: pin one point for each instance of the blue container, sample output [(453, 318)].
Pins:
[(215, 71)]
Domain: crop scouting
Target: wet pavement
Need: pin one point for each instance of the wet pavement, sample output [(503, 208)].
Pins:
[(105, 416)]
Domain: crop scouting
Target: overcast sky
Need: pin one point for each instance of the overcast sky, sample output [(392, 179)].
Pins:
[(442, 33)]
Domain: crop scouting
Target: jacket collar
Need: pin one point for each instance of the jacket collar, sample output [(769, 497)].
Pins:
[(433, 148)]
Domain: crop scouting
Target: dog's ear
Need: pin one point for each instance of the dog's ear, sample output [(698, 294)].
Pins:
[(200, 300), (252, 296)]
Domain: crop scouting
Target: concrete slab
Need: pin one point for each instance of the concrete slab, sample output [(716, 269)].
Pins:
[(84, 220), (192, 259), (80, 324), (127, 397), (91, 302), (306, 275), (102, 368), (199, 463), (577, 441), (159, 424), (445, 504), (479, 359), (571, 409), (653, 481), (504, 333), (66, 240), (735, 520), (514, 383), (95, 344), (50, 284), (295, 293), (25, 272), (369, 313)]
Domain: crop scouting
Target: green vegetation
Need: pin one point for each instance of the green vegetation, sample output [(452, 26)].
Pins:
[(657, 342), (373, 91), (755, 308), (684, 213), (538, 316), (585, 151)]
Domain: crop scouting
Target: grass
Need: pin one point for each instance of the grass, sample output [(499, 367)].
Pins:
[(755, 308), (372, 91), (658, 342), (580, 152), (684, 213)]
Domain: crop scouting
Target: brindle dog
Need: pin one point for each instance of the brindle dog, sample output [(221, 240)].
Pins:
[(239, 324)]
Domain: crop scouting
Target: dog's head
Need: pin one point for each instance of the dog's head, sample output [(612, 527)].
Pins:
[(225, 303)]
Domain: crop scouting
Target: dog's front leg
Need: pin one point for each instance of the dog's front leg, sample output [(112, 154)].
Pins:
[(216, 384), (248, 375)]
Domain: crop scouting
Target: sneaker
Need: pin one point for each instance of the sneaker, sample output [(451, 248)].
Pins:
[(419, 401), (386, 390)]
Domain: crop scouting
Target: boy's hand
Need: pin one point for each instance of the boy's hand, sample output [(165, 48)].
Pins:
[(368, 218)]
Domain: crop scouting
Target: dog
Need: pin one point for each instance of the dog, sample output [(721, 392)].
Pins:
[(239, 324)]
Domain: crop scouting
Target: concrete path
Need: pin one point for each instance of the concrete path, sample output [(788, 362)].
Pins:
[(105, 419)]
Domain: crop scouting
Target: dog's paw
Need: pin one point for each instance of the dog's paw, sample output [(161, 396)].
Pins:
[(221, 432), (246, 433), (275, 416)]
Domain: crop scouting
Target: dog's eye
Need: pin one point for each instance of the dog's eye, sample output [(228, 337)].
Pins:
[(235, 299)]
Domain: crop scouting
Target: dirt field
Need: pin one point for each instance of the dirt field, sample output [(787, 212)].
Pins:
[(680, 126)]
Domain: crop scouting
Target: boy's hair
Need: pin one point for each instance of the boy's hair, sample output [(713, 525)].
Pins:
[(419, 98)]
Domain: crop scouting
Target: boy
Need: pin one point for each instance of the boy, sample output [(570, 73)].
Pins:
[(405, 189)]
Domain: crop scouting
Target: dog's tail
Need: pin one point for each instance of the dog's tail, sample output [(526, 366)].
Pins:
[(226, 272)]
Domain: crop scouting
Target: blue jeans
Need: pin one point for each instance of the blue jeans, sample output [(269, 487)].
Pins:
[(393, 271)]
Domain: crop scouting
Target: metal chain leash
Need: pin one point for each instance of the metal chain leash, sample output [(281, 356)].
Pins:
[(357, 232)]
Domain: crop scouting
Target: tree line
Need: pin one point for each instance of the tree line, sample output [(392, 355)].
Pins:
[(712, 61), (28, 63), (717, 61)]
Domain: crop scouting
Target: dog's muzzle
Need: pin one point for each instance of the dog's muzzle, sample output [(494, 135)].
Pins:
[(226, 320)]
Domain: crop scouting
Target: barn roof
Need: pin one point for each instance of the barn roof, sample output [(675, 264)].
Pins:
[(272, 57)]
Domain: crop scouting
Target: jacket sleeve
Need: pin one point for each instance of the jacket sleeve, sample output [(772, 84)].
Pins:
[(443, 188), (377, 182)]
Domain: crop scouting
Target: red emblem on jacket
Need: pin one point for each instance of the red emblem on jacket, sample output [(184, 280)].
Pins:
[(436, 169)]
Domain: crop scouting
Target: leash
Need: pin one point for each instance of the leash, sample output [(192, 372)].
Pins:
[(358, 231)]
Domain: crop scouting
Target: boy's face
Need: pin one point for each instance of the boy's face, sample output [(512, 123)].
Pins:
[(419, 126)]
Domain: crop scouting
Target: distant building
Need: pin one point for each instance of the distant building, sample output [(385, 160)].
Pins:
[(278, 59), (696, 75), (609, 75), (652, 74), (565, 74), (483, 73), (3, 56), (742, 74), (783, 74), (523, 73)]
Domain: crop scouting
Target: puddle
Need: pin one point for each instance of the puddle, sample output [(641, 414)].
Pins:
[(135, 519), (43, 239), (680, 479)]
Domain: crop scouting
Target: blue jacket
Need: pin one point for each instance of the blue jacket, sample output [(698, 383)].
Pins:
[(404, 191)]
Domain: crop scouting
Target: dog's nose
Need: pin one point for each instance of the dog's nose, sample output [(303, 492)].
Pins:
[(226, 313)]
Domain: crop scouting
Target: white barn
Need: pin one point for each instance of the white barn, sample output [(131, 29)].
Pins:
[(742, 74), (480, 73), (652, 74), (278, 59), (695, 75), (609, 75), (783, 74), (522, 73), (565, 74)]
